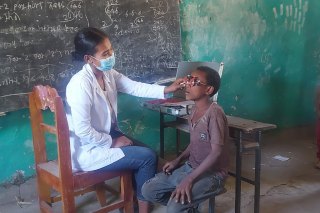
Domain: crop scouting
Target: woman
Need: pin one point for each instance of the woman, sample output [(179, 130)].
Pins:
[(91, 95)]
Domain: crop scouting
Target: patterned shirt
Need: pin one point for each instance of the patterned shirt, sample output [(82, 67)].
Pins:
[(211, 128)]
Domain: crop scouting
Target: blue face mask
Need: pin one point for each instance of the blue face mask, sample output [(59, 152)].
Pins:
[(106, 64)]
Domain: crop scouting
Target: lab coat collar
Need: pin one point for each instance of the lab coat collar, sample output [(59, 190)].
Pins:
[(97, 86)]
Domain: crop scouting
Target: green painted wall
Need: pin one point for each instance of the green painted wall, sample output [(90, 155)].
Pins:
[(16, 149), (272, 64), (271, 51)]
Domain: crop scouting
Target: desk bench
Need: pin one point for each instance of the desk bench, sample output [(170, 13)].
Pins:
[(246, 135)]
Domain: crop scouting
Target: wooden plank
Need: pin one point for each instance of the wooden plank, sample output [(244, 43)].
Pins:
[(242, 124), (247, 125), (48, 128)]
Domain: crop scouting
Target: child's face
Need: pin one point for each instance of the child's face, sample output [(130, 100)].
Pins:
[(196, 86)]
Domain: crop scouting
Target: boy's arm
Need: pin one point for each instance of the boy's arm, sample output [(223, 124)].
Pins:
[(184, 155), (207, 163), (169, 166)]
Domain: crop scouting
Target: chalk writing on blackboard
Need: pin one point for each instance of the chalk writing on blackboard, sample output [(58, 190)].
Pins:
[(36, 41)]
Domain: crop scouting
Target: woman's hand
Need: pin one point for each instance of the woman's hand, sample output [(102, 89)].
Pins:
[(121, 141), (177, 84)]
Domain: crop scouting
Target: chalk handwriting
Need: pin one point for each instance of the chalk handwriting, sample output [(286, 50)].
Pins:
[(73, 11), (37, 41), (28, 6), (9, 16), (111, 10), (161, 9), (4, 6), (56, 5)]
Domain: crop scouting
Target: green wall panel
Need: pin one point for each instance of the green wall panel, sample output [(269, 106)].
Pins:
[(270, 49), (16, 150)]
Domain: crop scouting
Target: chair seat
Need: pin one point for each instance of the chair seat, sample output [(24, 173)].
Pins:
[(80, 179)]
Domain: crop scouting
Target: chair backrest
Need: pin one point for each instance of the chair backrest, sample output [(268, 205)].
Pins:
[(186, 67), (45, 98)]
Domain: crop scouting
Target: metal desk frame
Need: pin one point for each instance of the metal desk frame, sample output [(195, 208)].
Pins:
[(247, 136)]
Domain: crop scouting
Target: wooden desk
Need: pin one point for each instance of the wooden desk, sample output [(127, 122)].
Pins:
[(247, 136)]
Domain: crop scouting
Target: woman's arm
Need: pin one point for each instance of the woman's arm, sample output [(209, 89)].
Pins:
[(126, 85)]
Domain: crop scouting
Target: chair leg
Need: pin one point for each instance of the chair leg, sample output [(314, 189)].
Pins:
[(68, 203), (44, 195), (110, 189), (212, 204), (67, 198), (127, 192), (101, 194)]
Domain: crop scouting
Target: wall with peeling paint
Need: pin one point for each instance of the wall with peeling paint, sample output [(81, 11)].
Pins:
[(271, 51), (16, 150)]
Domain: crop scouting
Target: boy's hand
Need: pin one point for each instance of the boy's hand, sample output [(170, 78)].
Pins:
[(182, 193), (169, 167)]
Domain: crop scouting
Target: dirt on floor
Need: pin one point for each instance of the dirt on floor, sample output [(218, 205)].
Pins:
[(289, 181)]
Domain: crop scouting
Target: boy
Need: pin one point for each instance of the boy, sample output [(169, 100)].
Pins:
[(181, 187)]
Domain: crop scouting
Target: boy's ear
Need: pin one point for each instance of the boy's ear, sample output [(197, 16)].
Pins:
[(210, 90)]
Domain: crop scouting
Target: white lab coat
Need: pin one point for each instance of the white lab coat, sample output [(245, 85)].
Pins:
[(89, 115)]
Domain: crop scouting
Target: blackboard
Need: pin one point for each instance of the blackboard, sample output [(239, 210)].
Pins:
[(36, 41)]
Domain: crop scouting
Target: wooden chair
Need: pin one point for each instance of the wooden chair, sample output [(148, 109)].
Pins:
[(57, 174), (212, 200)]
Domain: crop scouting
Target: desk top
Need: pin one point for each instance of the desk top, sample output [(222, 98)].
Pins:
[(247, 125), (242, 124)]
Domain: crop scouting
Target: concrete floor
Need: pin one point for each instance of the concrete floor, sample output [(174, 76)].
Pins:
[(286, 186)]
